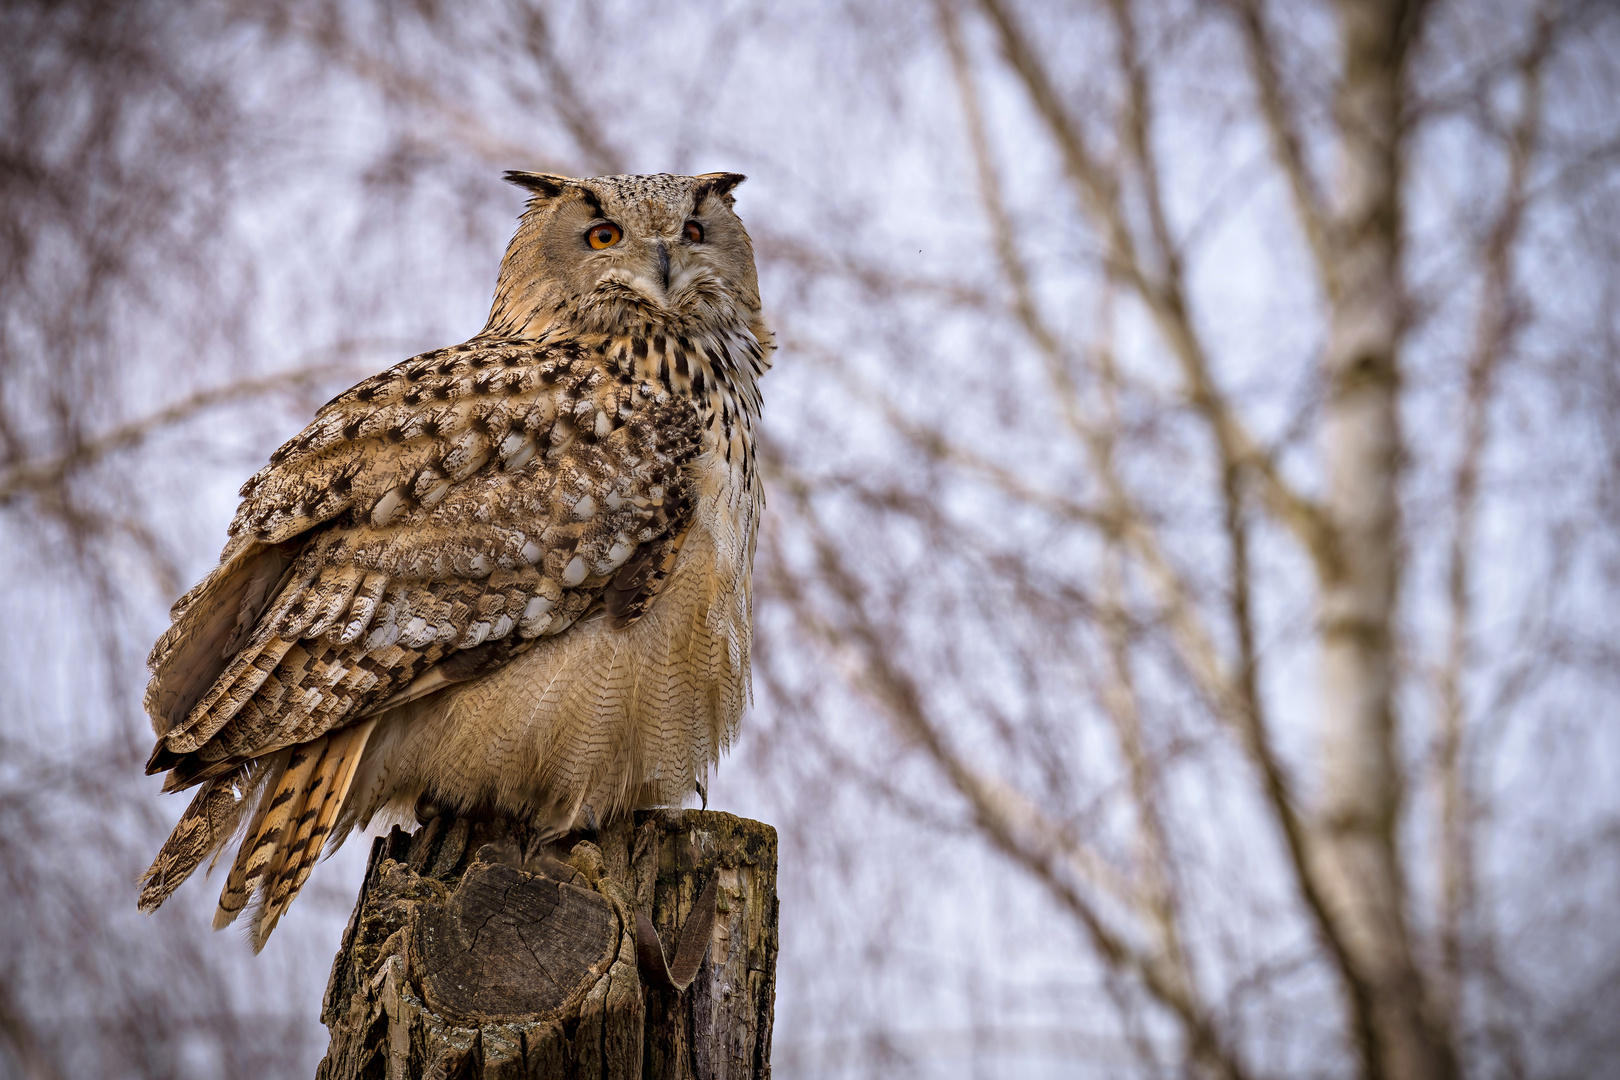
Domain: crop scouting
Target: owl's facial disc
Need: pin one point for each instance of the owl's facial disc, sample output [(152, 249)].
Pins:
[(653, 267), (601, 252)]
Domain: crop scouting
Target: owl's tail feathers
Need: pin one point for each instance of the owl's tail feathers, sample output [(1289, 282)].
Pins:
[(322, 803), (237, 887), (290, 827), (202, 831)]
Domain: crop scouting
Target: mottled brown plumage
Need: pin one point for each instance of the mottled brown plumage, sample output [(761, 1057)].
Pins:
[(509, 576)]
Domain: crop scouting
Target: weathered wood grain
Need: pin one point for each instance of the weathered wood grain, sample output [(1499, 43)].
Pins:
[(469, 955)]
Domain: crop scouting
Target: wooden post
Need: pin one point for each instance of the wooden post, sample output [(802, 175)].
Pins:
[(649, 953)]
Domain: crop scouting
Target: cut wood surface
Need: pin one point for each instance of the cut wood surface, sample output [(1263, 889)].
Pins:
[(647, 951)]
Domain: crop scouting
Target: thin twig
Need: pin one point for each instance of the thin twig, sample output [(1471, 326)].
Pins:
[(40, 475), (1287, 145), (1496, 333)]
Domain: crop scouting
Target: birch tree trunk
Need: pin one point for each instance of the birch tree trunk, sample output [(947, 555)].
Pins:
[(1355, 831), (650, 953)]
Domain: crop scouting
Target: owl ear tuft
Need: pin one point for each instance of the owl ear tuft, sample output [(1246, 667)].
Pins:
[(718, 184), (545, 185)]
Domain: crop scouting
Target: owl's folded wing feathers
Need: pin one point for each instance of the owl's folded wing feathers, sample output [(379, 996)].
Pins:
[(432, 523)]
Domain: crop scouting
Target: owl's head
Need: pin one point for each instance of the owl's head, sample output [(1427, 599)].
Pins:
[(610, 253)]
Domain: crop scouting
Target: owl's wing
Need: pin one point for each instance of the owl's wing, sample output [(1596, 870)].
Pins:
[(432, 523)]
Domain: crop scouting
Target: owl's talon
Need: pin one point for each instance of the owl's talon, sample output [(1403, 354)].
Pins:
[(589, 828), (500, 851), (427, 809)]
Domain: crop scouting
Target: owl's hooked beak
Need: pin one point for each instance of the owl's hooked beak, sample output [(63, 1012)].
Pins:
[(649, 276)]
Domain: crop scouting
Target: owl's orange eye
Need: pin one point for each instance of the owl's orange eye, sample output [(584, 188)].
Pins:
[(694, 232), (604, 235)]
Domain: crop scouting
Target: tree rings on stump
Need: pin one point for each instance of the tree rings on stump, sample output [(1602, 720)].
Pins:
[(512, 945)]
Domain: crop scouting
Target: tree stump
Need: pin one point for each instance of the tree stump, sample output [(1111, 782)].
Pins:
[(648, 953)]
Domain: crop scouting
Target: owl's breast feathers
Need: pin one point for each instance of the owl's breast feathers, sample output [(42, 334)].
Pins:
[(432, 524)]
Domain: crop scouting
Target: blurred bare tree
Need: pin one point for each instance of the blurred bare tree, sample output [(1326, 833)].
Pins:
[(1187, 597), (114, 180)]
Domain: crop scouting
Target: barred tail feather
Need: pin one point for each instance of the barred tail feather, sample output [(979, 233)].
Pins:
[(279, 808), (201, 831), (304, 789), (325, 793), (234, 896)]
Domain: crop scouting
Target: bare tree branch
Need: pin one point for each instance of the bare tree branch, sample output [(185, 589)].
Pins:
[(1287, 145), (37, 476), (1162, 294), (1499, 320), (1012, 823), (1123, 512), (566, 98), (1354, 843), (15, 1031), (1237, 702), (454, 121)]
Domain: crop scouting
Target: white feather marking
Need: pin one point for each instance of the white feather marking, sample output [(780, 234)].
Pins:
[(417, 633), (436, 494), (386, 506), (384, 636), (536, 615), (520, 457)]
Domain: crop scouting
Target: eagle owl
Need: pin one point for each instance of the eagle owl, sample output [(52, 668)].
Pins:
[(512, 576)]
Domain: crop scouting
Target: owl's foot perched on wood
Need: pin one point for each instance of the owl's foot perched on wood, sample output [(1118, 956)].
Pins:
[(513, 842)]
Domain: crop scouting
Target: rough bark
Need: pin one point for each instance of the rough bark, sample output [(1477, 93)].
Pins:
[(474, 954), (1355, 838)]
